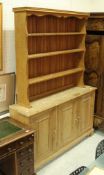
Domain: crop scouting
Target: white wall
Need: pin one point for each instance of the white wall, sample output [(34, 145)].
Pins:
[(81, 5), (96, 5), (8, 21)]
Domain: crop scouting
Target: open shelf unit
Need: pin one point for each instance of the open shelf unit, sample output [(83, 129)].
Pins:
[(50, 47)]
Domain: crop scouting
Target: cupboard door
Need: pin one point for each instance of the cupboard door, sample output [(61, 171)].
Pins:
[(45, 134), (86, 112), (66, 128)]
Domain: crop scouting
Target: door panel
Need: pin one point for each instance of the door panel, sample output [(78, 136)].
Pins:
[(45, 134), (66, 123), (86, 118)]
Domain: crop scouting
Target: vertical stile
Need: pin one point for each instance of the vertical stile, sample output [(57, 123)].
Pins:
[(21, 58)]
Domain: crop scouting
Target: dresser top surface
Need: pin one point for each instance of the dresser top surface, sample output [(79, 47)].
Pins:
[(54, 11), (51, 101)]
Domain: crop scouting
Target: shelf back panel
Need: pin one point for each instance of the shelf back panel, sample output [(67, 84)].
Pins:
[(49, 23), (54, 64), (42, 89), (44, 44)]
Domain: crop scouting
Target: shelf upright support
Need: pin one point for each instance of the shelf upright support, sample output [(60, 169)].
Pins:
[(21, 58)]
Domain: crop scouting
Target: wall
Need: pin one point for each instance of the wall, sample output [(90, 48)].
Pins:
[(97, 5), (8, 38), (81, 5), (88, 5)]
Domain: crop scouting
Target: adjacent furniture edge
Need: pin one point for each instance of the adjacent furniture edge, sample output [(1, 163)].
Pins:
[(97, 15), (23, 133)]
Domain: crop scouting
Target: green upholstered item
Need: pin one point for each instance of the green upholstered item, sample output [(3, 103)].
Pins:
[(7, 128)]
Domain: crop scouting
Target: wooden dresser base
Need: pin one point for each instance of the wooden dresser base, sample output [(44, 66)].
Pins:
[(60, 121)]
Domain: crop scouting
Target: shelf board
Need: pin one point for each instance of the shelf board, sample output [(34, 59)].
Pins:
[(54, 75), (38, 55), (56, 34)]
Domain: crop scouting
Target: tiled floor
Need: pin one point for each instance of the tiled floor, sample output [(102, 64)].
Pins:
[(81, 154)]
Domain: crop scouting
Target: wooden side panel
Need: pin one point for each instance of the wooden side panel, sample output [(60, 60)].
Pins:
[(94, 74), (95, 62), (21, 59), (93, 46)]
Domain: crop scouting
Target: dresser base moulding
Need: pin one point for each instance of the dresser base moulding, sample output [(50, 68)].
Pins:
[(60, 121)]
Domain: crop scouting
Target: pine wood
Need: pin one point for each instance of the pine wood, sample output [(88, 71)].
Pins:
[(60, 121), (54, 53), (50, 44), (1, 36), (52, 60), (21, 63), (34, 10), (53, 34), (55, 75)]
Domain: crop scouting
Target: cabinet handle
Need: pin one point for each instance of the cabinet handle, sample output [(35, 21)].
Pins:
[(77, 121), (53, 137), (54, 133)]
